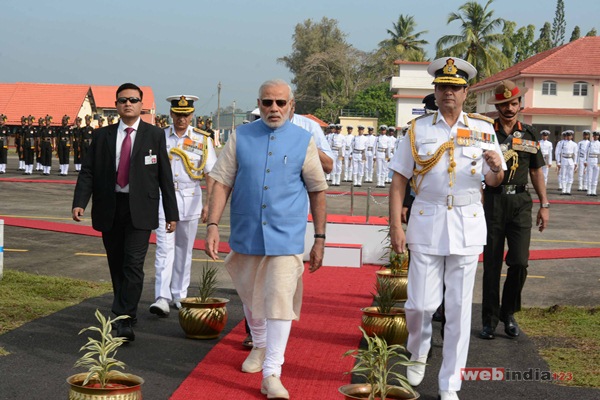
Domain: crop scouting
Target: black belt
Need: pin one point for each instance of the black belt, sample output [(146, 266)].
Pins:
[(507, 189)]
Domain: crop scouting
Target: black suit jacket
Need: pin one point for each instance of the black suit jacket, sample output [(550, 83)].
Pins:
[(98, 177)]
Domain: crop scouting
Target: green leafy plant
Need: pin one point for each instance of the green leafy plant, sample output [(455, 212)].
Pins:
[(100, 358), (384, 295), (208, 284), (376, 363), (397, 262)]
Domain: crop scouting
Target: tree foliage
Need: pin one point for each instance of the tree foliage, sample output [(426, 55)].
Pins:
[(376, 100), (576, 34), (544, 42), (311, 38), (592, 32), (404, 40), (478, 42), (559, 24), (520, 45)]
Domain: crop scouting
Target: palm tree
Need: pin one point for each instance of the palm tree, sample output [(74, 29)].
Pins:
[(404, 40), (478, 43)]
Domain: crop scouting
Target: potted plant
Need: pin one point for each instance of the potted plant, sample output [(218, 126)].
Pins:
[(396, 271), (376, 363), (204, 316), (385, 320), (103, 381)]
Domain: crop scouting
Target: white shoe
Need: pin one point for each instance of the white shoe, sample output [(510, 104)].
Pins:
[(176, 304), (447, 395), (416, 373), (160, 307), (254, 361), (273, 388)]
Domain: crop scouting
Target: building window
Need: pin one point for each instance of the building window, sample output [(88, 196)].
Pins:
[(549, 88), (580, 89)]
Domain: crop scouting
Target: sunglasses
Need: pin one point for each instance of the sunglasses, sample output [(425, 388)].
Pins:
[(269, 102), (132, 100)]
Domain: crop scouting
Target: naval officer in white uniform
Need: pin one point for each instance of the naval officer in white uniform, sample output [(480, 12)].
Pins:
[(192, 155), (445, 154)]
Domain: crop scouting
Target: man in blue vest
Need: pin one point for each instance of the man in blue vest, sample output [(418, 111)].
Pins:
[(271, 169)]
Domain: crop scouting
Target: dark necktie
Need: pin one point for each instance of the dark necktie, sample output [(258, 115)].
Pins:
[(123, 170)]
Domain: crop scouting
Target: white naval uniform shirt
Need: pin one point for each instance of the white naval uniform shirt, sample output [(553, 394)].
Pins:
[(568, 153), (593, 153), (382, 147), (348, 139), (187, 190), (582, 146), (371, 143), (337, 145), (433, 227), (546, 149)]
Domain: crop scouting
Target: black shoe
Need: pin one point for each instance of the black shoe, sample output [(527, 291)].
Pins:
[(487, 333), (511, 328), (125, 330)]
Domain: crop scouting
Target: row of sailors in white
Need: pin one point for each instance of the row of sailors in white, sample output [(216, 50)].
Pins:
[(566, 160), (359, 153), (590, 163)]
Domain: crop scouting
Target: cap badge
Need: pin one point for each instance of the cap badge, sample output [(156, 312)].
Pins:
[(507, 93), (450, 68), (182, 102)]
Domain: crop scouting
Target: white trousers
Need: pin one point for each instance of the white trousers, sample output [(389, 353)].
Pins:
[(593, 172), (582, 173), (173, 262), (427, 275), (272, 334), (347, 168), (567, 170), (381, 167), (545, 169), (369, 166)]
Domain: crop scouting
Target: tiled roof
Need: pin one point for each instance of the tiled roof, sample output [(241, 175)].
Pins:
[(104, 96), (39, 99), (321, 123), (578, 58)]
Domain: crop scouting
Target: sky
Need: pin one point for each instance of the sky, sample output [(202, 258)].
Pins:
[(189, 46)]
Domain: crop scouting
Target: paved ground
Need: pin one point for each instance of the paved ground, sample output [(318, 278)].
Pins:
[(44, 350)]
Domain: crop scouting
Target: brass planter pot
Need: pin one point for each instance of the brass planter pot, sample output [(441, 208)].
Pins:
[(132, 391), (203, 320), (400, 281), (391, 327), (363, 391)]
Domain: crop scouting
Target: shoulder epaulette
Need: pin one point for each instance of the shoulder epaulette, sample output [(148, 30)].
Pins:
[(481, 117), (419, 117), (201, 132)]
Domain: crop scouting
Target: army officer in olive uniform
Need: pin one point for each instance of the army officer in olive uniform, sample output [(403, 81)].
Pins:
[(508, 212)]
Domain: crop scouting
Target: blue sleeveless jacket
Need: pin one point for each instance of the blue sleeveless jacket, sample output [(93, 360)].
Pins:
[(269, 203)]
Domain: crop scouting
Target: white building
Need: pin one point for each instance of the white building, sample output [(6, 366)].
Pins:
[(411, 85)]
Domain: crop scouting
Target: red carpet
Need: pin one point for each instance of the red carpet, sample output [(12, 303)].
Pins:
[(314, 367)]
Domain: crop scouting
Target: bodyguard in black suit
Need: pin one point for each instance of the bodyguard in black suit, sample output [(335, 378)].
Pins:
[(126, 213)]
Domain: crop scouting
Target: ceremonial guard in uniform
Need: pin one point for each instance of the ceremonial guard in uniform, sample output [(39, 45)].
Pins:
[(359, 149), (546, 148), (348, 139), (28, 145), (582, 172), (337, 142), (4, 135), (76, 135), (445, 154), (47, 145), (557, 151), (38, 147), (64, 141), (392, 139), (508, 210), (330, 131), (19, 133), (591, 164), (85, 135), (382, 155), (567, 162), (192, 155), (370, 154)]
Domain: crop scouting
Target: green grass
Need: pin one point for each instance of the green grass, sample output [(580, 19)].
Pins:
[(568, 338), (25, 297)]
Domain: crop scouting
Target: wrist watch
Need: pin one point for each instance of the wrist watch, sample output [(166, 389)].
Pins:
[(545, 205)]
